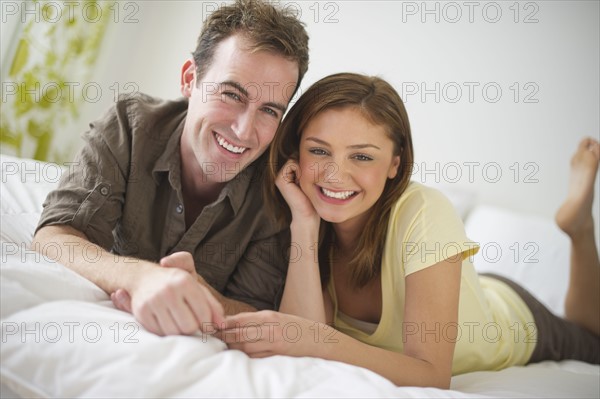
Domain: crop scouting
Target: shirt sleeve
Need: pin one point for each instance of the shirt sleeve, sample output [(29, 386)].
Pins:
[(429, 230), (91, 192), (259, 277)]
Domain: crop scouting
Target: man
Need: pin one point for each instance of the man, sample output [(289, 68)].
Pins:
[(177, 183)]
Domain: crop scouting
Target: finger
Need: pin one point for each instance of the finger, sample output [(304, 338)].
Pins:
[(165, 321), (148, 320), (290, 173), (180, 260), (122, 300), (249, 333), (236, 336), (229, 336), (218, 314), (199, 302), (184, 318), (181, 309), (252, 349), (261, 354), (114, 301), (249, 318), (175, 260)]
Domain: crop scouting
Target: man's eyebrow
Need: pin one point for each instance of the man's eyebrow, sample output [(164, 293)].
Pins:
[(354, 146), (236, 86), (245, 93), (278, 106)]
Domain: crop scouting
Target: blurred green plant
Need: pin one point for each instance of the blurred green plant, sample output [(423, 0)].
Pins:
[(54, 53)]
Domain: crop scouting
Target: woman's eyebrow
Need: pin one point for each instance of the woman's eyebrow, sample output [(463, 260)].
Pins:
[(361, 146), (354, 146), (316, 140)]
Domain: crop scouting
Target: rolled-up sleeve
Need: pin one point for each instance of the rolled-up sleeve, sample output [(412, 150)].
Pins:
[(91, 192)]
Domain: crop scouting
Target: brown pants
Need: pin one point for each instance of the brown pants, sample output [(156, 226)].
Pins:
[(557, 338)]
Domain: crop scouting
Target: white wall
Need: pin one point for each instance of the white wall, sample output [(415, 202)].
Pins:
[(554, 59)]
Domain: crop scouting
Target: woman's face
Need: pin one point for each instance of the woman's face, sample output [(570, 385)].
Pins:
[(345, 161)]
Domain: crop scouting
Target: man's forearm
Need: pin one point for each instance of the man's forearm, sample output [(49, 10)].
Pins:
[(72, 249), (165, 300), (108, 271)]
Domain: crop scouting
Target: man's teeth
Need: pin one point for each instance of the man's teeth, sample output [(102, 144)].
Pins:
[(337, 195), (230, 147)]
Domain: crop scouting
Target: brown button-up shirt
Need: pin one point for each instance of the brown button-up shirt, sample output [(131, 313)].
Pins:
[(123, 191)]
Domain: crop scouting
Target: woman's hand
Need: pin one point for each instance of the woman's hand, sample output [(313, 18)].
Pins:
[(269, 333), (288, 185)]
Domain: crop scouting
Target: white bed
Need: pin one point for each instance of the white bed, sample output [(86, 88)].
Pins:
[(61, 336)]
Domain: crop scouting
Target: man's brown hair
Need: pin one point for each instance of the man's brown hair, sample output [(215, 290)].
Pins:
[(266, 27)]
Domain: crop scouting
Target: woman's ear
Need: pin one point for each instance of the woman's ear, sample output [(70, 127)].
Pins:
[(393, 171), (188, 78)]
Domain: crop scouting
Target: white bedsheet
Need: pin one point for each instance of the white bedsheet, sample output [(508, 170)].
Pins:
[(61, 337)]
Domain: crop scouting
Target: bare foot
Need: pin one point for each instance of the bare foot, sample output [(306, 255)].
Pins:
[(574, 217)]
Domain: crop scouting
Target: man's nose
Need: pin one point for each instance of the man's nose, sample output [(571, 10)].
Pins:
[(243, 127)]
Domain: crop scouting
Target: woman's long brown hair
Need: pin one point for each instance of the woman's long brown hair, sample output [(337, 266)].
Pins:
[(381, 105)]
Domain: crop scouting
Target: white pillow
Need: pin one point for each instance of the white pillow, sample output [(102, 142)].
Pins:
[(530, 250), (28, 279), (23, 188)]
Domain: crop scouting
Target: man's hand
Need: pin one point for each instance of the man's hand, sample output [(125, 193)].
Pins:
[(169, 300), (165, 300), (181, 260)]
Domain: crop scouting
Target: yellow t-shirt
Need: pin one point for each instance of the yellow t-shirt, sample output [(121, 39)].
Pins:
[(495, 326)]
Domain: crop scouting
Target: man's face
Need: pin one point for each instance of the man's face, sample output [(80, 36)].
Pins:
[(234, 110)]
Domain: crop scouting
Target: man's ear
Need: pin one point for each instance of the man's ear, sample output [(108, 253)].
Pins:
[(188, 78), (393, 171)]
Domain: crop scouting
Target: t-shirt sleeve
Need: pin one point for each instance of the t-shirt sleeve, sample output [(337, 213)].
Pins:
[(91, 192), (429, 230)]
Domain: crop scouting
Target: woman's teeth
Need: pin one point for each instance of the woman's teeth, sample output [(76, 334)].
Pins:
[(230, 147), (342, 195)]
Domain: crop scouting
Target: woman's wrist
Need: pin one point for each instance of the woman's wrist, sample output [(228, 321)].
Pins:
[(305, 239), (305, 227)]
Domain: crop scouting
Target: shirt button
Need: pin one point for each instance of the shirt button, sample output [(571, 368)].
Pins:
[(104, 191), (179, 208)]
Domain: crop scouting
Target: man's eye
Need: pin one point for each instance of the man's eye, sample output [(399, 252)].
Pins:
[(271, 112), (231, 95)]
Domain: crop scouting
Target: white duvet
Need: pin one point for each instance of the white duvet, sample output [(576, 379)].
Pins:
[(61, 336)]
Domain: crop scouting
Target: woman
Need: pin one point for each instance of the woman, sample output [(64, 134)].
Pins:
[(386, 262)]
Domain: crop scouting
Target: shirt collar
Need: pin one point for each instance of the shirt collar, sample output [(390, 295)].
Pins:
[(236, 189), (170, 159)]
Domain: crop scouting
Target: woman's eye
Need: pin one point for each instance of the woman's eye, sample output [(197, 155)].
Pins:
[(363, 157), (317, 151)]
